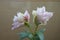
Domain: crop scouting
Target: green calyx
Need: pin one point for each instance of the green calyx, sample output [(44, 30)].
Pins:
[(36, 21)]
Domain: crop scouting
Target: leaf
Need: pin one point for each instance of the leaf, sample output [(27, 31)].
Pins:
[(24, 35), (30, 36), (40, 33), (42, 30), (36, 37)]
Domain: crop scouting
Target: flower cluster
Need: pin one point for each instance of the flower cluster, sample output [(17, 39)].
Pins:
[(40, 16)]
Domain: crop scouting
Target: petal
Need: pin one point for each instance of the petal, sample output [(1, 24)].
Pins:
[(40, 11), (15, 19), (16, 25), (19, 14), (34, 13), (20, 17), (27, 15), (43, 8), (44, 23), (47, 15)]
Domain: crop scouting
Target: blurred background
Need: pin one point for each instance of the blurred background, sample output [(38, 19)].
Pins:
[(9, 8)]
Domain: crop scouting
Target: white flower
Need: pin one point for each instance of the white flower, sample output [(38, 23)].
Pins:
[(42, 15), (20, 19)]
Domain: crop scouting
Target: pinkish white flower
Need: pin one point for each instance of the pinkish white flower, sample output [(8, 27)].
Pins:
[(20, 19), (42, 15)]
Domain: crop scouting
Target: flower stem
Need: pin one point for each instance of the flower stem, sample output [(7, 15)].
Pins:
[(30, 30), (35, 29), (28, 25)]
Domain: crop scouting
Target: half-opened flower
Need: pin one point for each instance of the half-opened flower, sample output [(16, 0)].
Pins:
[(19, 19), (41, 15)]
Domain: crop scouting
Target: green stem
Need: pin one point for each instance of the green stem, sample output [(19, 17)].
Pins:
[(30, 30), (28, 25), (35, 29)]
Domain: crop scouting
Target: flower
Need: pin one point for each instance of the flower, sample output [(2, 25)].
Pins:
[(41, 15), (20, 19)]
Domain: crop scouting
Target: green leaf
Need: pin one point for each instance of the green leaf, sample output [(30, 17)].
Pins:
[(40, 33), (36, 21), (42, 30), (24, 35), (36, 37), (30, 36)]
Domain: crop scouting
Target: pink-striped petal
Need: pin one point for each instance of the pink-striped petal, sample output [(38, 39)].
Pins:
[(27, 15)]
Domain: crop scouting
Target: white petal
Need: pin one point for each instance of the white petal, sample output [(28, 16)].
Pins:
[(43, 8), (27, 15), (16, 25), (44, 23), (19, 14), (20, 17), (48, 15), (40, 11), (15, 18), (34, 13)]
